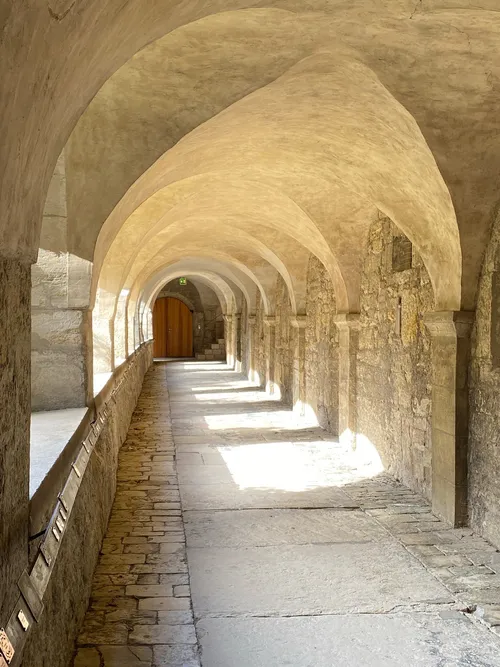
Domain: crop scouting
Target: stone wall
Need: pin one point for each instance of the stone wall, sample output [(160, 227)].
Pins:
[(394, 360), (322, 340), (52, 640), (284, 354), (484, 434)]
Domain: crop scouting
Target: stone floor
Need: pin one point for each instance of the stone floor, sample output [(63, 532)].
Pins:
[(299, 554)]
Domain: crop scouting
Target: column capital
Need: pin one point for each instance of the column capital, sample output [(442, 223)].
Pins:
[(251, 320), (228, 318), (269, 320), (454, 323), (347, 320), (298, 321)]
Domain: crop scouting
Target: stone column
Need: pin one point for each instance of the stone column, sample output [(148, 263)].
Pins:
[(348, 326), (270, 347), (237, 342), (450, 340), (298, 324), (229, 337), (251, 347), (15, 319)]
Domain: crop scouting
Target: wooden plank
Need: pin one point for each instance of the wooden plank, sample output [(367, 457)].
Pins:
[(160, 328), (179, 329)]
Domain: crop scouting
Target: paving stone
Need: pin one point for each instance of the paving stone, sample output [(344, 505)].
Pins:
[(372, 640), (109, 633), (176, 656), (173, 617), (166, 604), (163, 634), (154, 590), (126, 656)]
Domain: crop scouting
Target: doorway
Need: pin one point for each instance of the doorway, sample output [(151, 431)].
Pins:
[(172, 328)]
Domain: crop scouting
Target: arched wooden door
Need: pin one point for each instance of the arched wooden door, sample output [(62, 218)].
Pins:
[(172, 328)]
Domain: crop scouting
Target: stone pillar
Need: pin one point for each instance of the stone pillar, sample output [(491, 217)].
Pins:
[(450, 341), (15, 318), (251, 347), (270, 352), (299, 364), (237, 342), (229, 337), (348, 326)]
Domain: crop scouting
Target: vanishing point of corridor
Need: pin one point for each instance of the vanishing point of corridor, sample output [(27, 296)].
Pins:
[(243, 537)]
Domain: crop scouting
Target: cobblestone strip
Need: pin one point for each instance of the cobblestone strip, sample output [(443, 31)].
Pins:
[(140, 612), (462, 561)]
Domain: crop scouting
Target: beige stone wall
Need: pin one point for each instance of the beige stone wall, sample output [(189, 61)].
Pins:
[(394, 368), (52, 640), (484, 434), (322, 340)]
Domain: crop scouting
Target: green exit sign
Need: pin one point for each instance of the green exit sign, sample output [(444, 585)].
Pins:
[(182, 281)]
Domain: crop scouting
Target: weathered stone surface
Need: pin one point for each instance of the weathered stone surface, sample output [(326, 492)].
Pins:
[(484, 439), (321, 360), (347, 578), (163, 634), (230, 496), (14, 428), (379, 640), (274, 527), (394, 361)]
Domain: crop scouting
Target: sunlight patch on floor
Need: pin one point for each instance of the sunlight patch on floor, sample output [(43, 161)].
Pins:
[(296, 466), (235, 397), (277, 419)]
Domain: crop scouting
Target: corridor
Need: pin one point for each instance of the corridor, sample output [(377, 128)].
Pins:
[(288, 550)]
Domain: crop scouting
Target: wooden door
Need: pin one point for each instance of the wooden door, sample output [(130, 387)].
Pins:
[(172, 328)]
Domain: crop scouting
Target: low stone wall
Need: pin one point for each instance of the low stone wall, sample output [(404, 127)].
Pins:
[(52, 640)]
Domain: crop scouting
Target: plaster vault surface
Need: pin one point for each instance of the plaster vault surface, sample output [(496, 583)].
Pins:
[(241, 537)]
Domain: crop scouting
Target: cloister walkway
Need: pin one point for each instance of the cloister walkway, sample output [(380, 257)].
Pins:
[(287, 549)]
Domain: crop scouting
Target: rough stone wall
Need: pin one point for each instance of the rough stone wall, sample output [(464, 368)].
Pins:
[(322, 370), (52, 640), (14, 428), (484, 433), (284, 359), (394, 367)]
